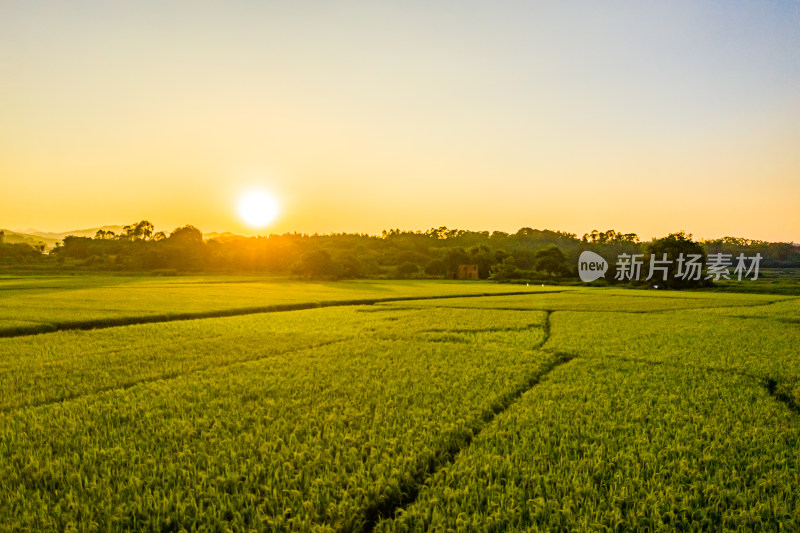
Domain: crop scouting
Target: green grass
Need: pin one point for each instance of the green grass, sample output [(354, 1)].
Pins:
[(573, 409)]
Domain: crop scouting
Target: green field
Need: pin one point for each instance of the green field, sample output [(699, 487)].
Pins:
[(394, 406), (31, 304)]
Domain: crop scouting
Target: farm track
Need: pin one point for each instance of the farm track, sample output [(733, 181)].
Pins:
[(241, 311)]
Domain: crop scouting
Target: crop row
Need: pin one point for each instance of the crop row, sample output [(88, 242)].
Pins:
[(666, 420), (763, 347), (612, 445), (755, 335), (32, 305), (44, 368), (242, 423)]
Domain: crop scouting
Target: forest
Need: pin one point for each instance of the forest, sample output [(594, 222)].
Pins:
[(528, 254)]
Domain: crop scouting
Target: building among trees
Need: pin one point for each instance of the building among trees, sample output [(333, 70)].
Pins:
[(467, 272)]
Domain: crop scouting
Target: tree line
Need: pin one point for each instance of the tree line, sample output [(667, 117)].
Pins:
[(528, 254)]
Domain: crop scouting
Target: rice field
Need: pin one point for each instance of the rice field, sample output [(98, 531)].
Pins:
[(395, 406), (38, 304)]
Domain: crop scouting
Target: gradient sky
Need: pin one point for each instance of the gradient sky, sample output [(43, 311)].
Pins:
[(645, 117)]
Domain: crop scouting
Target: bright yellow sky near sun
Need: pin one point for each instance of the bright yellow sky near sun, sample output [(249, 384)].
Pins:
[(358, 118)]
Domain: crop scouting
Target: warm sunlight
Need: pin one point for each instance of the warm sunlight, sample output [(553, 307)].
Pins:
[(258, 208)]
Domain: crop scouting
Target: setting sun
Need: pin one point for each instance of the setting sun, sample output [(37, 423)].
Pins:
[(257, 208)]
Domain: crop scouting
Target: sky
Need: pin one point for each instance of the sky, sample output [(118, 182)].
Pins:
[(644, 117)]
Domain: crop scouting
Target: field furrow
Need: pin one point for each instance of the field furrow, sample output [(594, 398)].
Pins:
[(610, 445), (315, 438), (41, 305), (575, 409)]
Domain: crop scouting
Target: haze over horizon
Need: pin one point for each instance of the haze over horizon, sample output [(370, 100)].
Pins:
[(360, 117)]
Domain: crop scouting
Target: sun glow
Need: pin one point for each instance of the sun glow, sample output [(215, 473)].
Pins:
[(258, 208)]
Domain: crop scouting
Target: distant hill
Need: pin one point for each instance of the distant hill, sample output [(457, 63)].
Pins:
[(49, 239), (222, 236), (14, 237), (90, 232), (33, 236)]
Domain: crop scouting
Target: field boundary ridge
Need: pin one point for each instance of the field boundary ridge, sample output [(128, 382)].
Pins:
[(112, 322)]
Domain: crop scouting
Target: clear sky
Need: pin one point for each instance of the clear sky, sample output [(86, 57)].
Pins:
[(645, 117)]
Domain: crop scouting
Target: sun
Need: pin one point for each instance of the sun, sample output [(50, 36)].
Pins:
[(257, 208)]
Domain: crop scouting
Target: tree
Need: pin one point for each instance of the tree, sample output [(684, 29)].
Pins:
[(76, 247), (183, 249), (505, 270), (454, 257), (483, 257), (186, 235), (19, 253), (351, 267), (436, 267), (609, 237), (551, 260), (139, 231), (407, 269), (316, 264), (675, 246)]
